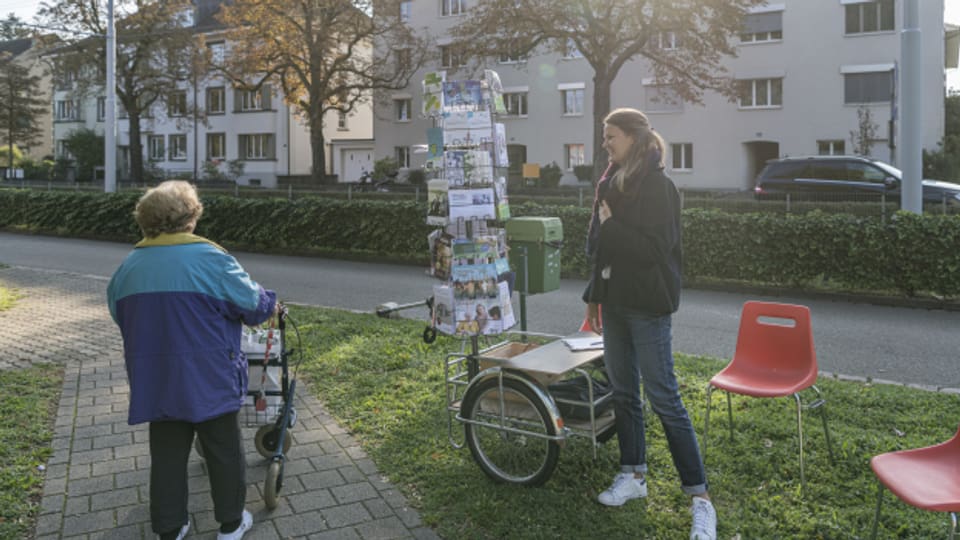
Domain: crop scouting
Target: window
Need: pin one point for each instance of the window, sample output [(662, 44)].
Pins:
[(516, 103), (216, 146), (256, 146), (401, 109), (831, 148), (667, 41), (759, 27), (62, 150), (341, 120), (572, 101), (867, 87), (682, 156), (761, 93), (512, 55), (570, 49), (177, 104), (217, 51), (101, 108), (453, 7), (574, 154), (405, 8), (402, 155), (216, 100), (661, 98), (402, 57), (67, 110), (253, 100), (66, 78), (155, 148), (867, 17), (177, 146), (450, 56)]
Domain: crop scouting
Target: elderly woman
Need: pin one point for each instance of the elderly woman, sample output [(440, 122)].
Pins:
[(180, 300)]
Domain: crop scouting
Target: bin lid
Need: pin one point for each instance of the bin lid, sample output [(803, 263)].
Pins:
[(534, 229)]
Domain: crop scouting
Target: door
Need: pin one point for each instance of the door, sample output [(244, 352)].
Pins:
[(758, 153), (354, 163)]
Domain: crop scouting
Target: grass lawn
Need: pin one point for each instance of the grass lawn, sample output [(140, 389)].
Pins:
[(385, 385), (8, 297), (29, 400)]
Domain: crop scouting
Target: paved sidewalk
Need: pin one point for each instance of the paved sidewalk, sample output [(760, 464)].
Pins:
[(97, 478)]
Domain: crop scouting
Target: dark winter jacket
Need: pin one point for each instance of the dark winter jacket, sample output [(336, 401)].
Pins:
[(641, 243)]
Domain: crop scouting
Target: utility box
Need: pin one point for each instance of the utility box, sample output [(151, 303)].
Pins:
[(541, 239)]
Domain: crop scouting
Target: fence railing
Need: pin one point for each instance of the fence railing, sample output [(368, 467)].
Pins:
[(865, 205)]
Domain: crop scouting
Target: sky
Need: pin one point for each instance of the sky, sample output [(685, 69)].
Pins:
[(26, 9)]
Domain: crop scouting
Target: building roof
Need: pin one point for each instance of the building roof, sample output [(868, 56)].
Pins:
[(16, 47)]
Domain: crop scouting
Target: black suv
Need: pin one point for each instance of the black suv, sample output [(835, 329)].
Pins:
[(842, 177)]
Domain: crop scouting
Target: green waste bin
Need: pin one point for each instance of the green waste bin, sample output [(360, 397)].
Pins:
[(542, 238)]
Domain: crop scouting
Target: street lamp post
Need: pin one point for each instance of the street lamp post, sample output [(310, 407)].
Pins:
[(110, 124)]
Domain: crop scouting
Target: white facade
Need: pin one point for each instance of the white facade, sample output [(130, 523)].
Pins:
[(811, 70), (217, 124)]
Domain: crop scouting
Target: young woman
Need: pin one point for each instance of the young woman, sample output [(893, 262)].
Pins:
[(635, 249)]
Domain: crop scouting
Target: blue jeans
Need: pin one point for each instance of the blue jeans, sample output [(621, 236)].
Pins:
[(637, 347)]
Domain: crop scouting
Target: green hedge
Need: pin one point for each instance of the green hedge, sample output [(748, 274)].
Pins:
[(909, 253)]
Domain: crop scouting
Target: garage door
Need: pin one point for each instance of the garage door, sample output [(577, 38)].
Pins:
[(355, 163)]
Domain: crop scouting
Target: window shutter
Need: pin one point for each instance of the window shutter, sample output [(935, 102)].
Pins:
[(265, 97), (756, 23), (242, 147), (271, 147)]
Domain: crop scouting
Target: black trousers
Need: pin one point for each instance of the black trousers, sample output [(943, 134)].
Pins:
[(170, 445)]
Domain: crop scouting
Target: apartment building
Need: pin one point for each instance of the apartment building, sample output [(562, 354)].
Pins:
[(804, 68), (212, 125), (27, 53)]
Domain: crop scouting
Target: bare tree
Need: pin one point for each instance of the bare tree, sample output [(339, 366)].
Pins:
[(12, 27), (683, 41), (861, 139), (320, 54), (155, 54), (21, 105)]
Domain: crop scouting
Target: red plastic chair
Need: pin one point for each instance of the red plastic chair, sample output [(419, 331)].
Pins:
[(774, 357), (926, 478)]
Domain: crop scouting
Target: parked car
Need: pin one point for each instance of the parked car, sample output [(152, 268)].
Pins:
[(842, 178)]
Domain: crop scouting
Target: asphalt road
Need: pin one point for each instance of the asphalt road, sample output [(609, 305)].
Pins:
[(908, 345)]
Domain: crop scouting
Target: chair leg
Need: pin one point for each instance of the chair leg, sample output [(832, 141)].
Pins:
[(876, 515), (730, 415), (822, 405), (803, 478), (706, 424)]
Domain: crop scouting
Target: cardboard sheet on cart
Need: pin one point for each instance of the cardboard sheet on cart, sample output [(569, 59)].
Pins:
[(554, 358)]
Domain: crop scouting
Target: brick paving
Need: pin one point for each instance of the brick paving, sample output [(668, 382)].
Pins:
[(96, 486)]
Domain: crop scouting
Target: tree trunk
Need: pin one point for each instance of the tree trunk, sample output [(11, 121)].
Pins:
[(318, 159), (601, 106), (136, 149)]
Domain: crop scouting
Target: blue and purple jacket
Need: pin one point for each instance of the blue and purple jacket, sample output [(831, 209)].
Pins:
[(180, 301)]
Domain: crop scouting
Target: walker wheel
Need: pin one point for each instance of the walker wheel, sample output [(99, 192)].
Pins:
[(429, 335), (198, 447), (266, 440), (273, 484)]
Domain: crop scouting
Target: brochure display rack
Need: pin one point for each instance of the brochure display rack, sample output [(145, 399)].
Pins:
[(467, 202)]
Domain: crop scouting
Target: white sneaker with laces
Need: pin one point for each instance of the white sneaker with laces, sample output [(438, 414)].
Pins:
[(624, 488), (245, 523), (704, 520)]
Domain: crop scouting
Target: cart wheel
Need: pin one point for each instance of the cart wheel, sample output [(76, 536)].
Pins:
[(505, 456), (272, 485), (266, 440), (198, 447)]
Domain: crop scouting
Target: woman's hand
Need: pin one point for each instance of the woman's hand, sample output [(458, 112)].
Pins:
[(593, 317), (604, 212)]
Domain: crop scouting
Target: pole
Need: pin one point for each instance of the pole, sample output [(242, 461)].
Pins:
[(110, 124), (911, 110)]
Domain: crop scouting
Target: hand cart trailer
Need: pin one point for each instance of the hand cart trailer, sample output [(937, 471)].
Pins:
[(512, 423), (270, 394)]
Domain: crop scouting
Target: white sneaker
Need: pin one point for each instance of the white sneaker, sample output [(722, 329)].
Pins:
[(183, 531), (245, 523), (704, 520), (624, 488)]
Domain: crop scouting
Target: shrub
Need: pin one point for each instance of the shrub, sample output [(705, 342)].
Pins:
[(417, 177), (584, 172), (550, 175)]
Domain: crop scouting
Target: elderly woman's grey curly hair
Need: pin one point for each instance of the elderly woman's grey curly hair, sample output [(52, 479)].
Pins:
[(171, 207)]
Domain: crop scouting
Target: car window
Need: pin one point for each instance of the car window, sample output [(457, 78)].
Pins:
[(785, 170), (828, 170), (864, 172)]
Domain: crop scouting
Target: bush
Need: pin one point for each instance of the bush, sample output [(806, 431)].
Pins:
[(417, 177), (385, 168), (584, 172), (550, 175)]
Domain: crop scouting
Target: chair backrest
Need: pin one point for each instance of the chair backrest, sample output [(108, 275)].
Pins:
[(776, 337)]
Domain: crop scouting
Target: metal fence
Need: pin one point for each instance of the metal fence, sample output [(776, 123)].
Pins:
[(866, 205)]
